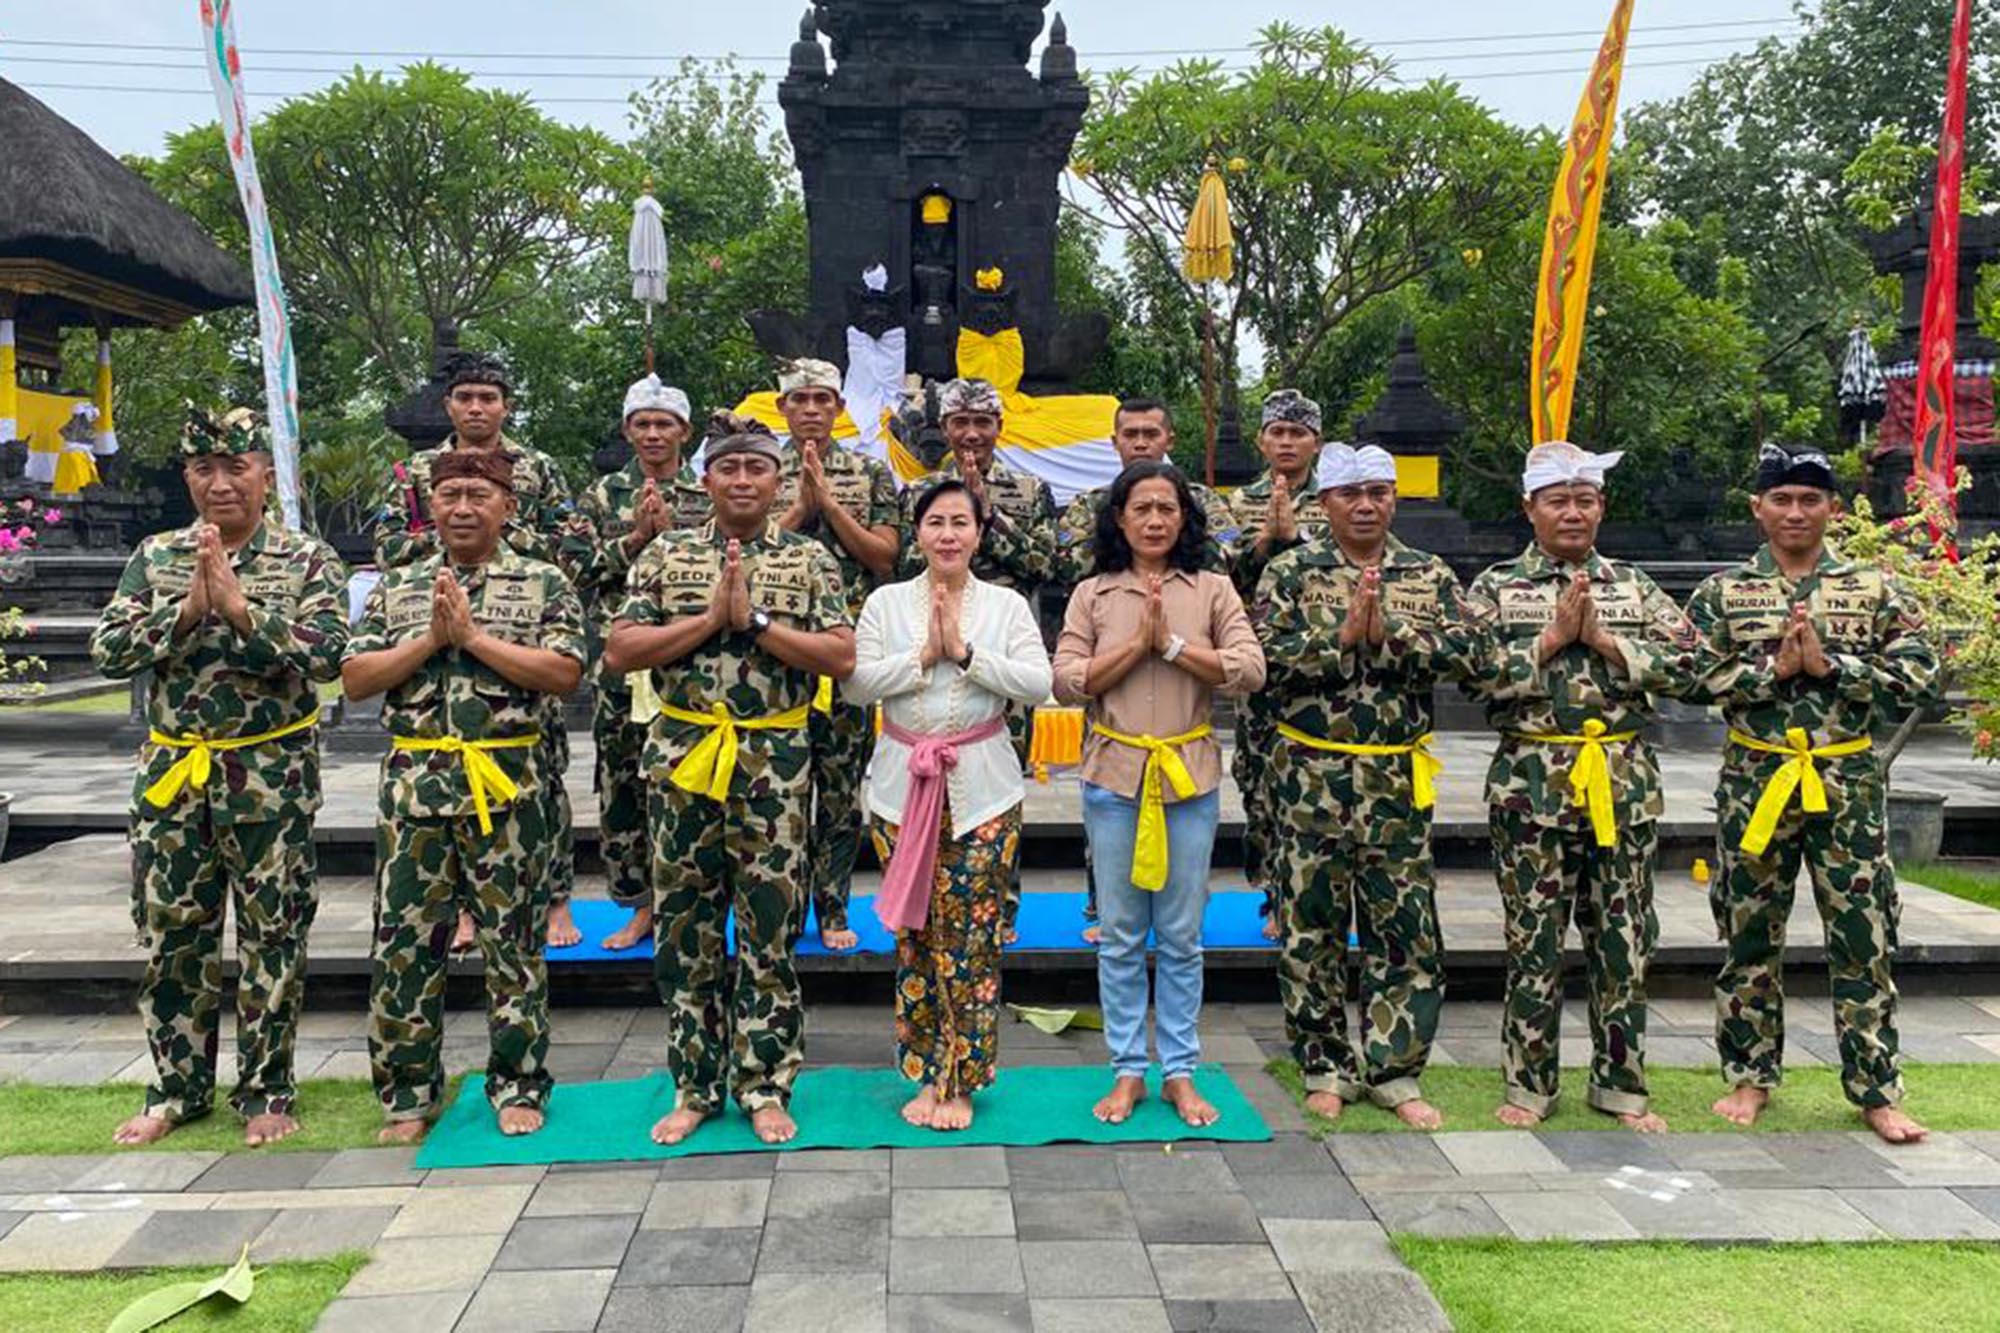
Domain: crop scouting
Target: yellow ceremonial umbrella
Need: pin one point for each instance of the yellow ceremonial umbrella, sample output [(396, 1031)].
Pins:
[(1209, 255)]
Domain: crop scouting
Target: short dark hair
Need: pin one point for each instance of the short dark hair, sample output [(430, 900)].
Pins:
[(1134, 406), (1114, 553), (950, 486)]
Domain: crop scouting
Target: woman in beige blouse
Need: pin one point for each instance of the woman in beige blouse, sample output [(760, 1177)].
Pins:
[(945, 654), (1145, 645)]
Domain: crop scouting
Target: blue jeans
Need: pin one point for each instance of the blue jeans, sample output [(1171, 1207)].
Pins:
[(1172, 915)]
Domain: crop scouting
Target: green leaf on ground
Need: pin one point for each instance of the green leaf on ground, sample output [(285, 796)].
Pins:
[(1944, 1097), (290, 1297), (156, 1307), (1510, 1286), (1053, 1021), (41, 1119)]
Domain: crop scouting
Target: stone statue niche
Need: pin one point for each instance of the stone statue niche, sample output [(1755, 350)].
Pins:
[(928, 146)]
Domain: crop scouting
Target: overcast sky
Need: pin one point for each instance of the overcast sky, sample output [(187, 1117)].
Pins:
[(1523, 58)]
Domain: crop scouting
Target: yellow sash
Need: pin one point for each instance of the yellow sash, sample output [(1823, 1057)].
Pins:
[(1590, 775), (195, 766), (1796, 774), (1424, 766), (482, 770), (1163, 760), (708, 767), (646, 700)]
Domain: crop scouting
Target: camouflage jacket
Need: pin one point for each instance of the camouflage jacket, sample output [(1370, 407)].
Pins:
[(1018, 548), (403, 531), (1248, 504), (792, 577), (1870, 628), (217, 684), (522, 601), (864, 488), (1076, 533), (593, 550), (1512, 603), (1368, 695)]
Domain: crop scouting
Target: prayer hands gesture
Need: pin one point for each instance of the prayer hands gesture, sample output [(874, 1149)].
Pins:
[(1153, 632), (944, 642), (1576, 613), (729, 603), (1281, 519), (215, 587), (451, 612), (1800, 649), (974, 479), (651, 518), (1364, 613)]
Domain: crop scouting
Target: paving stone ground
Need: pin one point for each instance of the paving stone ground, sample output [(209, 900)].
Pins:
[(1286, 1235)]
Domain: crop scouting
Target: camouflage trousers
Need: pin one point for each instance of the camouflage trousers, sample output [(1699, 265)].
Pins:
[(428, 870), (1549, 873), (1021, 730), (1328, 878), (557, 816), (1846, 854), (733, 1026), (620, 782), (1256, 738), (842, 741), (186, 874)]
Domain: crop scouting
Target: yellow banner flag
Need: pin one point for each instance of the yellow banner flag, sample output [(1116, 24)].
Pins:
[(1569, 247)]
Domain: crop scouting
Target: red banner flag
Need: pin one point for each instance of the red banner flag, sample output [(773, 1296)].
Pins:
[(1935, 438)]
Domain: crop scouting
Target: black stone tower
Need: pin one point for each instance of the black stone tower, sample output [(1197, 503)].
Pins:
[(929, 147)]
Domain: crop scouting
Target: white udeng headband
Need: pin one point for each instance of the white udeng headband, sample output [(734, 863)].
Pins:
[(1560, 463), (1344, 465)]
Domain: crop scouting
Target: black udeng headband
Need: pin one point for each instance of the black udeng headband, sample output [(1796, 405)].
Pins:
[(1779, 466)]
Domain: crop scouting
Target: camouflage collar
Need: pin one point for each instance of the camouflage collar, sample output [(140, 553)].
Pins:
[(260, 537), (1535, 563), (948, 470), (505, 559), (1765, 565), (1323, 549), (772, 535), (505, 444), (1267, 481)]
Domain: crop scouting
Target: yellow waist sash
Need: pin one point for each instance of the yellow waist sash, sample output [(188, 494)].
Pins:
[(1590, 775), (1796, 774), (195, 766), (707, 769), (482, 770), (1163, 761), (646, 701), (1424, 766)]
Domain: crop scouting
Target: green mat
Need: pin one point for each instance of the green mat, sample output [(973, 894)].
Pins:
[(835, 1108)]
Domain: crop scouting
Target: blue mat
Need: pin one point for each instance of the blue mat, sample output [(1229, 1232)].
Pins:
[(1047, 921)]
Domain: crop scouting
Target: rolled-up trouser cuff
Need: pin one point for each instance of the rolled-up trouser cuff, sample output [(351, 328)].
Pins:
[(1394, 1093), (1616, 1103), (1542, 1104), (1328, 1080)]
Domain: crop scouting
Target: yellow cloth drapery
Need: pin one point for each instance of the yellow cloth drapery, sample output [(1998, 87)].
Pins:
[(1424, 766), (1590, 775), (193, 767), (1796, 774), (706, 770), (1163, 764), (482, 770)]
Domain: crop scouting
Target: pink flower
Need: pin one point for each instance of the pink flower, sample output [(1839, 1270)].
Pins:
[(52, 516), (8, 541)]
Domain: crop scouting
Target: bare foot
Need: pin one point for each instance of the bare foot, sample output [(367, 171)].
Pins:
[(1646, 1122), (1743, 1105), (1271, 929), (920, 1108), (518, 1120), (268, 1128), (1009, 936), (639, 928), (468, 930), (774, 1124), (1194, 1109), (1892, 1126), (673, 1128), (1419, 1114), (839, 940), (1115, 1107), (953, 1113), (1093, 934), (403, 1133), (1517, 1117), (141, 1129), (562, 928), (1326, 1105)]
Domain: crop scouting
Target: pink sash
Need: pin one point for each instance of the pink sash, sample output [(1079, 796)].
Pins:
[(905, 900)]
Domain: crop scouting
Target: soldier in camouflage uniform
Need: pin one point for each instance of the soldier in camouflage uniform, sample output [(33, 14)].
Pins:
[(1807, 652), (478, 396), (237, 620), (1358, 628), (652, 494), (1580, 649), (847, 502), (1142, 430), (467, 645), (1271, 515), (1017, 548), (737, 620)]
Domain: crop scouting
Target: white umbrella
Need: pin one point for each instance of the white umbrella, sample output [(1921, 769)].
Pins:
[(1863, 393), (646, 254)]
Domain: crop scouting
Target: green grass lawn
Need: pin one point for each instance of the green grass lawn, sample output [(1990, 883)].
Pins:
[(1944, 1097), (1980, 886), (1498, 1286), (111, 702), (41, 1119), (288, 1297)]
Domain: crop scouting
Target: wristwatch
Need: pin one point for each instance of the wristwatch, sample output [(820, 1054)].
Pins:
[(1175, 645), (760, 620), (965, 662)]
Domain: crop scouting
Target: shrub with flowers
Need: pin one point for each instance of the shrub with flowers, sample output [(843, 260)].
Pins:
[(20, 526), (1958, 586)]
